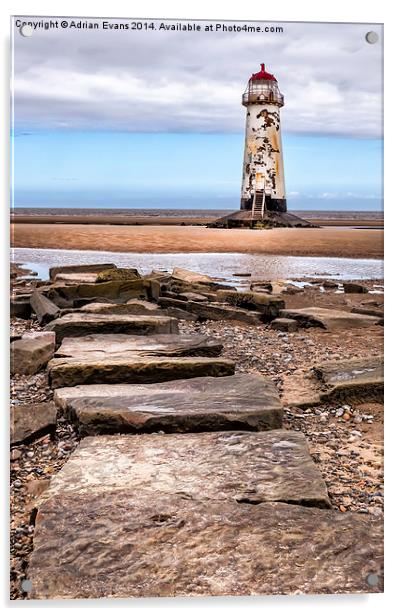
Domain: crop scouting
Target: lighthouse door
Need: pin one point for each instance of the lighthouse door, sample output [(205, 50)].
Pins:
[(260, 181)]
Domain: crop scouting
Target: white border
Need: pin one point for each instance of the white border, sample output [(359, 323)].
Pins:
[(289, 10)]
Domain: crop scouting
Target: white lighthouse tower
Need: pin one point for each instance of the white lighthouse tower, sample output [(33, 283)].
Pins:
[(263, 183), (263, 197)]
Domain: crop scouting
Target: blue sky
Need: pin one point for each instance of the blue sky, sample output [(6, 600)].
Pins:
[(116, 120), (109, 169)]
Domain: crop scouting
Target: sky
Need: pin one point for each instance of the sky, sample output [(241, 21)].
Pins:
[(128, 118)]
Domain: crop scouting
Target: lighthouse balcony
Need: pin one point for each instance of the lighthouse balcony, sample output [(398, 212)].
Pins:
[(255, 97)]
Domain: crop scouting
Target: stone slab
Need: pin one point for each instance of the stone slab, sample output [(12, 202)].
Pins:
[(284, 325), (77, 277), (373, 312), (269, 305), (71, 269), (217, 312), (242, 401), (130, 368), (328, 319), (20, 308), (31, 353), (135, 306), (236, 466), (83, 324), (185, 275), (116, 545), (354, 287), (44, 309), (29, 421), (213, 311), (178, 313), (194, 297), (171, 345), (121, 290), (355, 379)]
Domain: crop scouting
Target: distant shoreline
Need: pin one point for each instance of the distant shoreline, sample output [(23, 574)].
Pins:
[(121, 216)]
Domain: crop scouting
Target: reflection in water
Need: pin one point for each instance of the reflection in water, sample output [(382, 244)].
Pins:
[(217, 265)]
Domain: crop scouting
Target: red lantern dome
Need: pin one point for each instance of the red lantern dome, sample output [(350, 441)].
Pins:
[(262, 75)]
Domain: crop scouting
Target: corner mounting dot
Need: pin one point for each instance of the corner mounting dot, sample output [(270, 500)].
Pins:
[(26, 30), (372, 37)]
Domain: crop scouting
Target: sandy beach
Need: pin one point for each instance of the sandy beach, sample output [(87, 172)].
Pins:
[(337, 242)]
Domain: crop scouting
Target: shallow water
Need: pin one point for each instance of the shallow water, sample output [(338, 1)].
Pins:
[(217, 265)]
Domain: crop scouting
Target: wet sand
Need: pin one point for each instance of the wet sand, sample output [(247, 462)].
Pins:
[(326, 242), (184, 219)]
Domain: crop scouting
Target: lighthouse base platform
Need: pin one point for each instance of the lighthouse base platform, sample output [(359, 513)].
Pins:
[(270, 220)]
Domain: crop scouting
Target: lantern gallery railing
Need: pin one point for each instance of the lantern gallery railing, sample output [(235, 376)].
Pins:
[(263, 97)]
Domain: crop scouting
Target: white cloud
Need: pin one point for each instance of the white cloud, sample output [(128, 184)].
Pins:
[(163, 81)]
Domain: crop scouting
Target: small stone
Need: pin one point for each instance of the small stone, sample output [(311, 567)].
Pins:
[(346, 416), (342, 508)]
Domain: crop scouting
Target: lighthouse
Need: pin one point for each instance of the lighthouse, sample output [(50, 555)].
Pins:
[(263, 196), (263, 182)]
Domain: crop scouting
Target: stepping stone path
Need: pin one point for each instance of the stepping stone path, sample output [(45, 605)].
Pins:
[(329, 319), (242, 401), (211, 511)]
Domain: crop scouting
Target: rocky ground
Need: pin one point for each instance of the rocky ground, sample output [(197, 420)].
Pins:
[(346, 441)]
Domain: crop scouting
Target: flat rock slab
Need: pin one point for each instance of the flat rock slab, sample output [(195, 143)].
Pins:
[(130, 368), (284, 325), (269, 305), (85, 268), (356, 379), (329, 319), (77, 277), (168, 345), (31, 353), (250, 467), (121, 290), (242, 401), (135, 306), (82, 324), (29, 421), (113, 544)]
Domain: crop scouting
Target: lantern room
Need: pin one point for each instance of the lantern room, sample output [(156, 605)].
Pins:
[(262, 88)]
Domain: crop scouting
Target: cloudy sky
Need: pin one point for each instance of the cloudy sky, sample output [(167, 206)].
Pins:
[(150, 118)]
